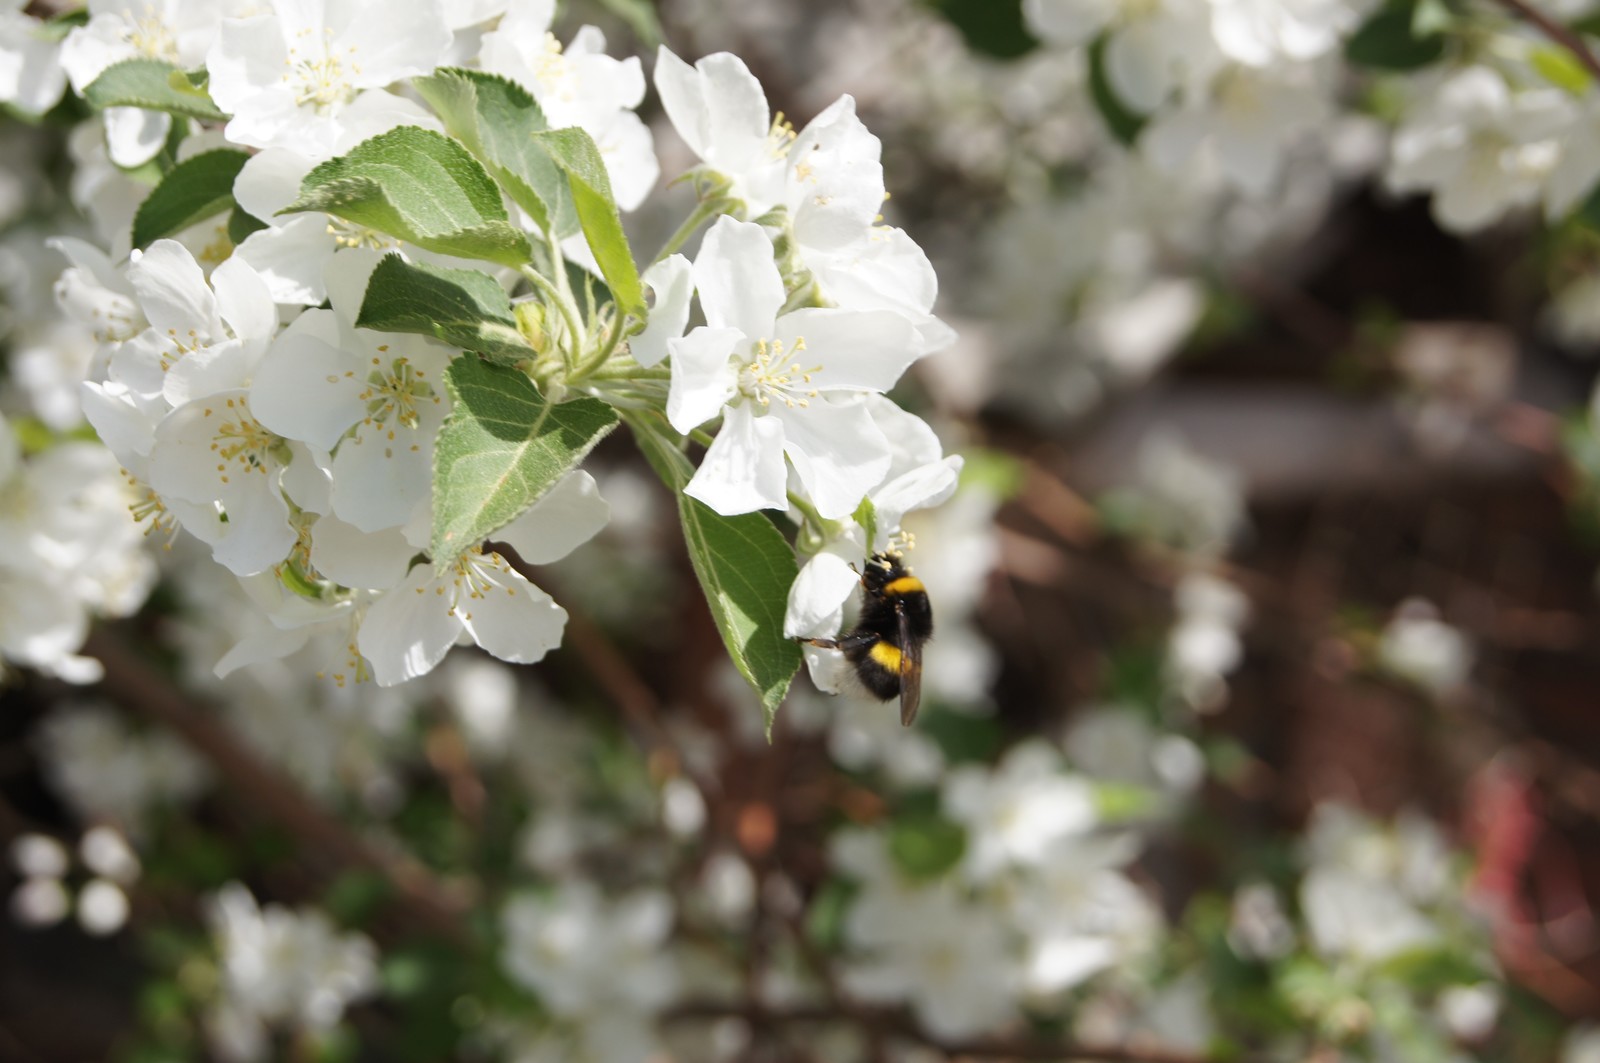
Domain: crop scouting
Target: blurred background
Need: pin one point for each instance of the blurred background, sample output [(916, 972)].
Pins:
[(1262, 720)]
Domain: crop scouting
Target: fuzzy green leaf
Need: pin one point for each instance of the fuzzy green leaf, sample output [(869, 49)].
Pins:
[(421, 186), (496, 119), (745, 568), (502, 448), (154, 85), (191, 191), (463, 307), (579, 158)]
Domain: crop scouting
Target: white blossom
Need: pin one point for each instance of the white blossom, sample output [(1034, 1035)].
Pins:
[(1419, 647), (282, 968), (579, 85), (31, 77), (107, 772), (592, 960), (479, 596), (1479, 147), (299, 75), (1016, 814), (786, 384)]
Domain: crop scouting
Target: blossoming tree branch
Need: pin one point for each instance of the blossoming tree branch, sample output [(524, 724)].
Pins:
[(360, 340)]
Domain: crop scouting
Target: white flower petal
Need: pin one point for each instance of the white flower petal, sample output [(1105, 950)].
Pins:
[(408, 631), (244, 300), (173, 292), (738, 281), (394, 41), (354, 558), (743, 470), (837, 452), (134, 135), (673, 285), (513, 619), (306, 388), (270, 181), (220, 367), (818, 594), (569, 515), (703, 378), (291, 258), (383, 472), (851, 350)]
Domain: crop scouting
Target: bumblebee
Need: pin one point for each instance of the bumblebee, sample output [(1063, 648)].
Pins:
[(885, 648)]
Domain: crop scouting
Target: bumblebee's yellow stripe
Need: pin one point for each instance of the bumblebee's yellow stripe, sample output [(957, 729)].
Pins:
[(904, 585), (886, 654)]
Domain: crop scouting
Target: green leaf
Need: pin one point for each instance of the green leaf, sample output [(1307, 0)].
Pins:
[(56, 29), (1431, 968), (496, 119), (420, 186), (1124, 802), (192, 191), (502, 448), (925, 847), (241, 223), (1588, 212), (1562, 69), (993, 27), (464, 307), (961, 737), (1390, 40), (745, 568), (641, 18), (1430, 17), (154, 85), (579, 158), (1124, 123)]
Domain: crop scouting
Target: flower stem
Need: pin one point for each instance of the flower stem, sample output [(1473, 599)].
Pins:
[(564, 306), (705, 211), (1560, 34)]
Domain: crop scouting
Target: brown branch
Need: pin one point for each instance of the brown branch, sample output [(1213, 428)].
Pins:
[(1562, 35), (133, 684), (897, 1023)]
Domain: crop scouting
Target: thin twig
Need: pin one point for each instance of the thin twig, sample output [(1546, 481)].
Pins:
[(1562, 35), (134, 685)]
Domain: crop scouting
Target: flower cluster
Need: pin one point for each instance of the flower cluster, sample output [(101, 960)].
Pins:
[(68, 552), (1036, 902), (280, 969), (286, 375)]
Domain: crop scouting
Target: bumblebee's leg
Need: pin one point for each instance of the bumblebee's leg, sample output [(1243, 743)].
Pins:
[(854, 641)]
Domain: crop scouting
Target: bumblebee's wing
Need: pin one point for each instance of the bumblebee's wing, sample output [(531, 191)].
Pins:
[(910, 669)]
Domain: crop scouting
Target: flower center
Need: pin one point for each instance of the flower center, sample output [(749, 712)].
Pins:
[(115, 319), (240, 442), (476, 575), (394, 395), (780, 135), (554, 72), (772, 374), (179, 345), (322, 79), (150, 37), (149, 506), (349, 234)]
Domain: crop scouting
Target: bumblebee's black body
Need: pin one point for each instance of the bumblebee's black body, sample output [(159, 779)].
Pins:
[(886, 645)]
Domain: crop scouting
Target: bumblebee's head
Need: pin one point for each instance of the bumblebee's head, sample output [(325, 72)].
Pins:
[(884, 568)]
